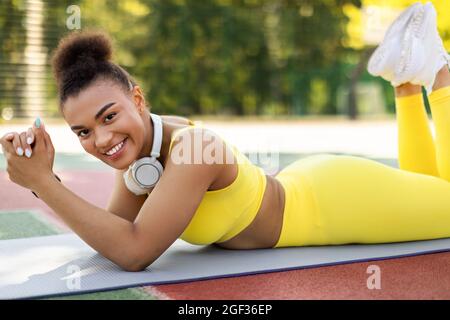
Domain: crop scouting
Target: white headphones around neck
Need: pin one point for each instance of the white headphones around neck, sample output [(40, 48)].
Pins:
[(144, 173)]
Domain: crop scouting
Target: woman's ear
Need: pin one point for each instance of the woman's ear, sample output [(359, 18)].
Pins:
[(138, 98)]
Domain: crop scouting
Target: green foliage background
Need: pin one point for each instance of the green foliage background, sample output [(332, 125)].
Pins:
[(215, 57)]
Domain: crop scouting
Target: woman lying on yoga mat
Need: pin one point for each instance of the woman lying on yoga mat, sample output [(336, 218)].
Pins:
[(319, 200)]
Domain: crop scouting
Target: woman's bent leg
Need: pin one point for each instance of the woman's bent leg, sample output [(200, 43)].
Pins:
[(440, 109), (416, 149), (344, 199)]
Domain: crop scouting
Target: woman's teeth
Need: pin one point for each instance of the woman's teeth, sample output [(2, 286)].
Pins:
[(115, 149)]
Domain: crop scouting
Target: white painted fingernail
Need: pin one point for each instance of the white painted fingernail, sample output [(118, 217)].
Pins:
[(29, 140), (28, 153), (19, 151)]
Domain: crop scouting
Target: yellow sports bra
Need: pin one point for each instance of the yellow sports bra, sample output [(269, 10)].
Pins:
[(223, 213)]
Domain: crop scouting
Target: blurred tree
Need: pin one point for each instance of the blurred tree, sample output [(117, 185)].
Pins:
[(55, 28), (222, 56), (11, 49)]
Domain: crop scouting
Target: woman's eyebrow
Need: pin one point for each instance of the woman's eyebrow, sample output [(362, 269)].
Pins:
[(98, 115)]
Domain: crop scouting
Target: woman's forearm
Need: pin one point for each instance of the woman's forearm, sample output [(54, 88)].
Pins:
[(110, 235)]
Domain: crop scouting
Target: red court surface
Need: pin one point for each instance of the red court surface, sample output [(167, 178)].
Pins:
[(420, 277)]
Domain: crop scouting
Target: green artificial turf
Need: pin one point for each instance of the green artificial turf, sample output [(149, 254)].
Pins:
[(26, 224), (23, 224)]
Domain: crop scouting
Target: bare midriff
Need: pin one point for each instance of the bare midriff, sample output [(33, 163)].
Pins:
[(264, 231)]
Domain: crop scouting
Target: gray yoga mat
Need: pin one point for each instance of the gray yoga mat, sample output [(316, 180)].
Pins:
[(64, 265)]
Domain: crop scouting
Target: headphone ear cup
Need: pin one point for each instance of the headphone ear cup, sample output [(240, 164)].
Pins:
[(159, 168), (146, 172), (132, 184)]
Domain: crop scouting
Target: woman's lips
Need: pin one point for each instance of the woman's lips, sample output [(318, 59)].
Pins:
[(118, 153)]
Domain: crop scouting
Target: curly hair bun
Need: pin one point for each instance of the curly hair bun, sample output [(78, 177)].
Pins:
[(82, 58), (81, 51)]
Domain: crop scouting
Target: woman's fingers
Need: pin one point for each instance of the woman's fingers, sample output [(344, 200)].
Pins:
[(30, 136), (49, 146), (48, 141), (9, 136), (25, 146), (21, 142), (5, 141), (17, 144)]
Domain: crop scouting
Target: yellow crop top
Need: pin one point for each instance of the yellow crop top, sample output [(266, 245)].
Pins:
[(223, 213)]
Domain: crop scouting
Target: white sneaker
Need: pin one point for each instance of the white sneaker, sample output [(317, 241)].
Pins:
[(434, 55), (386, 56), (412, 46)]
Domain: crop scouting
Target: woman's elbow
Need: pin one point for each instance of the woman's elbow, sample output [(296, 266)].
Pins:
[(136, 263), (134, 268), (137, 257)]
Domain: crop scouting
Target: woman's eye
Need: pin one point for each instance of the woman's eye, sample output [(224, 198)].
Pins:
[(110, 116), (83, 133), (80, 133)]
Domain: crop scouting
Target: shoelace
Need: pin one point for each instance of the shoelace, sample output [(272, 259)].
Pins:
[(417, 21), (380, 54), (412, 30)]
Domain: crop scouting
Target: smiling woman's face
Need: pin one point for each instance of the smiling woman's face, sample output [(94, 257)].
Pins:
[(109, 122)]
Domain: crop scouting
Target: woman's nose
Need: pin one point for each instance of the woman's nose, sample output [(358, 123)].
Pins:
[(103, 139)]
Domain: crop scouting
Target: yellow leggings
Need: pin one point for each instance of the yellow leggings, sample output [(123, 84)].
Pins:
[(336, 199)]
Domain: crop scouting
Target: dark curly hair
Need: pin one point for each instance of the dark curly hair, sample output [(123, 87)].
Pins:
[(83, 57)]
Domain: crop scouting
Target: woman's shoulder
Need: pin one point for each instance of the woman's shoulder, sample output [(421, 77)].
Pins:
[(202, 145), (177, 119)]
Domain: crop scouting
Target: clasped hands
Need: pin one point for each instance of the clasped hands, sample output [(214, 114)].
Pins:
[(29, 156)]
